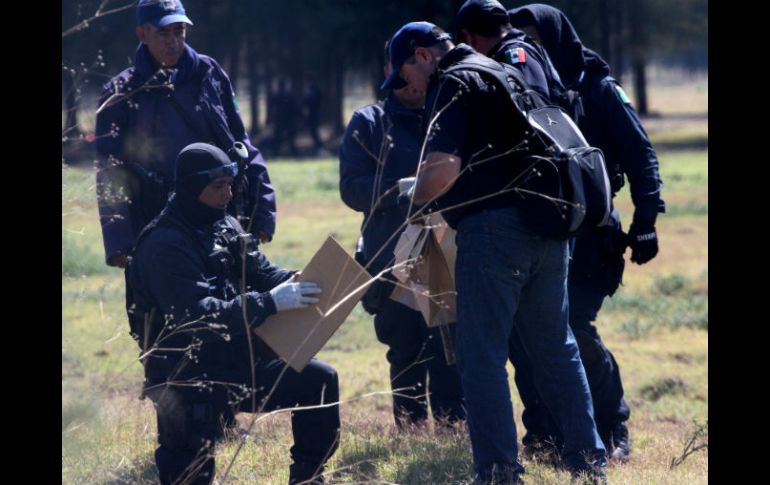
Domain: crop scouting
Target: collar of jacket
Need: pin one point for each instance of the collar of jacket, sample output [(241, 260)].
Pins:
[(187, 67), (394, 107), (460, 52), (514, 34)]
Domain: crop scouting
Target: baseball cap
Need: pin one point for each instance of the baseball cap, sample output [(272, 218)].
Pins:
[(161, 13), (404, 42)]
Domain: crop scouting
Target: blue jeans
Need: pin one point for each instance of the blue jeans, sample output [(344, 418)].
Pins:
[(506, 276)]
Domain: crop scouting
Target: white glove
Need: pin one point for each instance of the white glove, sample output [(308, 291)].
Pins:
[(292, 295), (406, 185)]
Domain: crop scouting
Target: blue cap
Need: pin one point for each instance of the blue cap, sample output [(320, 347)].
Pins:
[(161, 13), (404, 42), (481, 17)]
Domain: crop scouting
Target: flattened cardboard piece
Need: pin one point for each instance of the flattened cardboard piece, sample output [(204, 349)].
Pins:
[(409, 246), (449, 249), (429, 280), (297, 335)]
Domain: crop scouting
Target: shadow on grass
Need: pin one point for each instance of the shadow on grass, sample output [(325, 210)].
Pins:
[(435, 469), (360, 465), (419, 457)]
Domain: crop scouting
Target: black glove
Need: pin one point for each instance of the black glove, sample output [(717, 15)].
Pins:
[(643, 241)]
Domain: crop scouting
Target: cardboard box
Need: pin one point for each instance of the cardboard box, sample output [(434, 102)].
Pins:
[(297, 335), (427, 280)]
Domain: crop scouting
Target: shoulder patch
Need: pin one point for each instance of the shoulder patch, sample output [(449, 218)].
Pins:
[(516, 55), (622, 94)]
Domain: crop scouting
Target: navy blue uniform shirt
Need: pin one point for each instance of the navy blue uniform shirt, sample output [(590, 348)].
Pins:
[(381, 145), (533, 62), (142, 131), (477, 125), (187, 273)]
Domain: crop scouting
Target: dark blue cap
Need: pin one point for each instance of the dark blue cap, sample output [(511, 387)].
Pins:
[(481, 17), (402, 46), (161, 13)]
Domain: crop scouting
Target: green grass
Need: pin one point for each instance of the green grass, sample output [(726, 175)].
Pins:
[(656, 326)]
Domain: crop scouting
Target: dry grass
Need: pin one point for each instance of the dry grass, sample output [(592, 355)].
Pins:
[(108, 435)]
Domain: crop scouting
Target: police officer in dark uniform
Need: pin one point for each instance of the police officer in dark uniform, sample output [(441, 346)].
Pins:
[(506, 274), (172, 96), (484, 25), (194, 324), (609, 123), (381, 145)]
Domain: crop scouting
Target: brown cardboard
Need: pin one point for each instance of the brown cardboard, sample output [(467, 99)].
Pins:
[(297, 335), (427, 283)]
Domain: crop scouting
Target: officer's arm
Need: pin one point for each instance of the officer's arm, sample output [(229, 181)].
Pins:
[(261, 198), (438, 174), (112, 179), (179, 288), (359, 164), (267, 275), (441, 168), (633, 149)]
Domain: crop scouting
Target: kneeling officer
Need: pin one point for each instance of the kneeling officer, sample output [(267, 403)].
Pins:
[(193, 321)]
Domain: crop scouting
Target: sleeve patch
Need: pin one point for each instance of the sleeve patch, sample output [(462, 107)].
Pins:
[(516, 56), (622, 94)]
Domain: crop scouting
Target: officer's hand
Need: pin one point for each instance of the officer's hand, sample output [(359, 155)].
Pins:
[(291, 296), (119, 260), (643, 241)]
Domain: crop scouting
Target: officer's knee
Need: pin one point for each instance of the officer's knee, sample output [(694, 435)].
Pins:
[(324, 377), (332, 384)]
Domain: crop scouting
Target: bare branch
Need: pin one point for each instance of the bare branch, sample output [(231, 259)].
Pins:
[(97, 15)]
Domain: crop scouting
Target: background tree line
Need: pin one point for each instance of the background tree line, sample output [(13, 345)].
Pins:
[(260, 42)]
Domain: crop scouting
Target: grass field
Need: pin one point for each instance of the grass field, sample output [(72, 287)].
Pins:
[(656, 325)]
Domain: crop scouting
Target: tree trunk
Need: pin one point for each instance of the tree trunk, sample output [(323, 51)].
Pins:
[(251, 73), (640, 85), (235, 64), (619, 39), (639, 35), (338, 100), (70, 127), (606, 33)]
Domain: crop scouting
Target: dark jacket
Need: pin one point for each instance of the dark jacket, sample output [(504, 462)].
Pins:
[(184, 284), (478, 125), (140, 132), (534, 64), (381, 145), (609, 121)]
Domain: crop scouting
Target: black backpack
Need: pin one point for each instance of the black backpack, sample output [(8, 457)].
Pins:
[(566, 189)]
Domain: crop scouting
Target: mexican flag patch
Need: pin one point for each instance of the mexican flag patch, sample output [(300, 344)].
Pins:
[(516, 56)]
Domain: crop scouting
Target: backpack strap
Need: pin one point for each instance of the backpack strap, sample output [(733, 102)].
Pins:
[(508, 78)]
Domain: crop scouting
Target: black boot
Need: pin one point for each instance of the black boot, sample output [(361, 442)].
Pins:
[(621, 442), (501, 474), (305, 474)]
